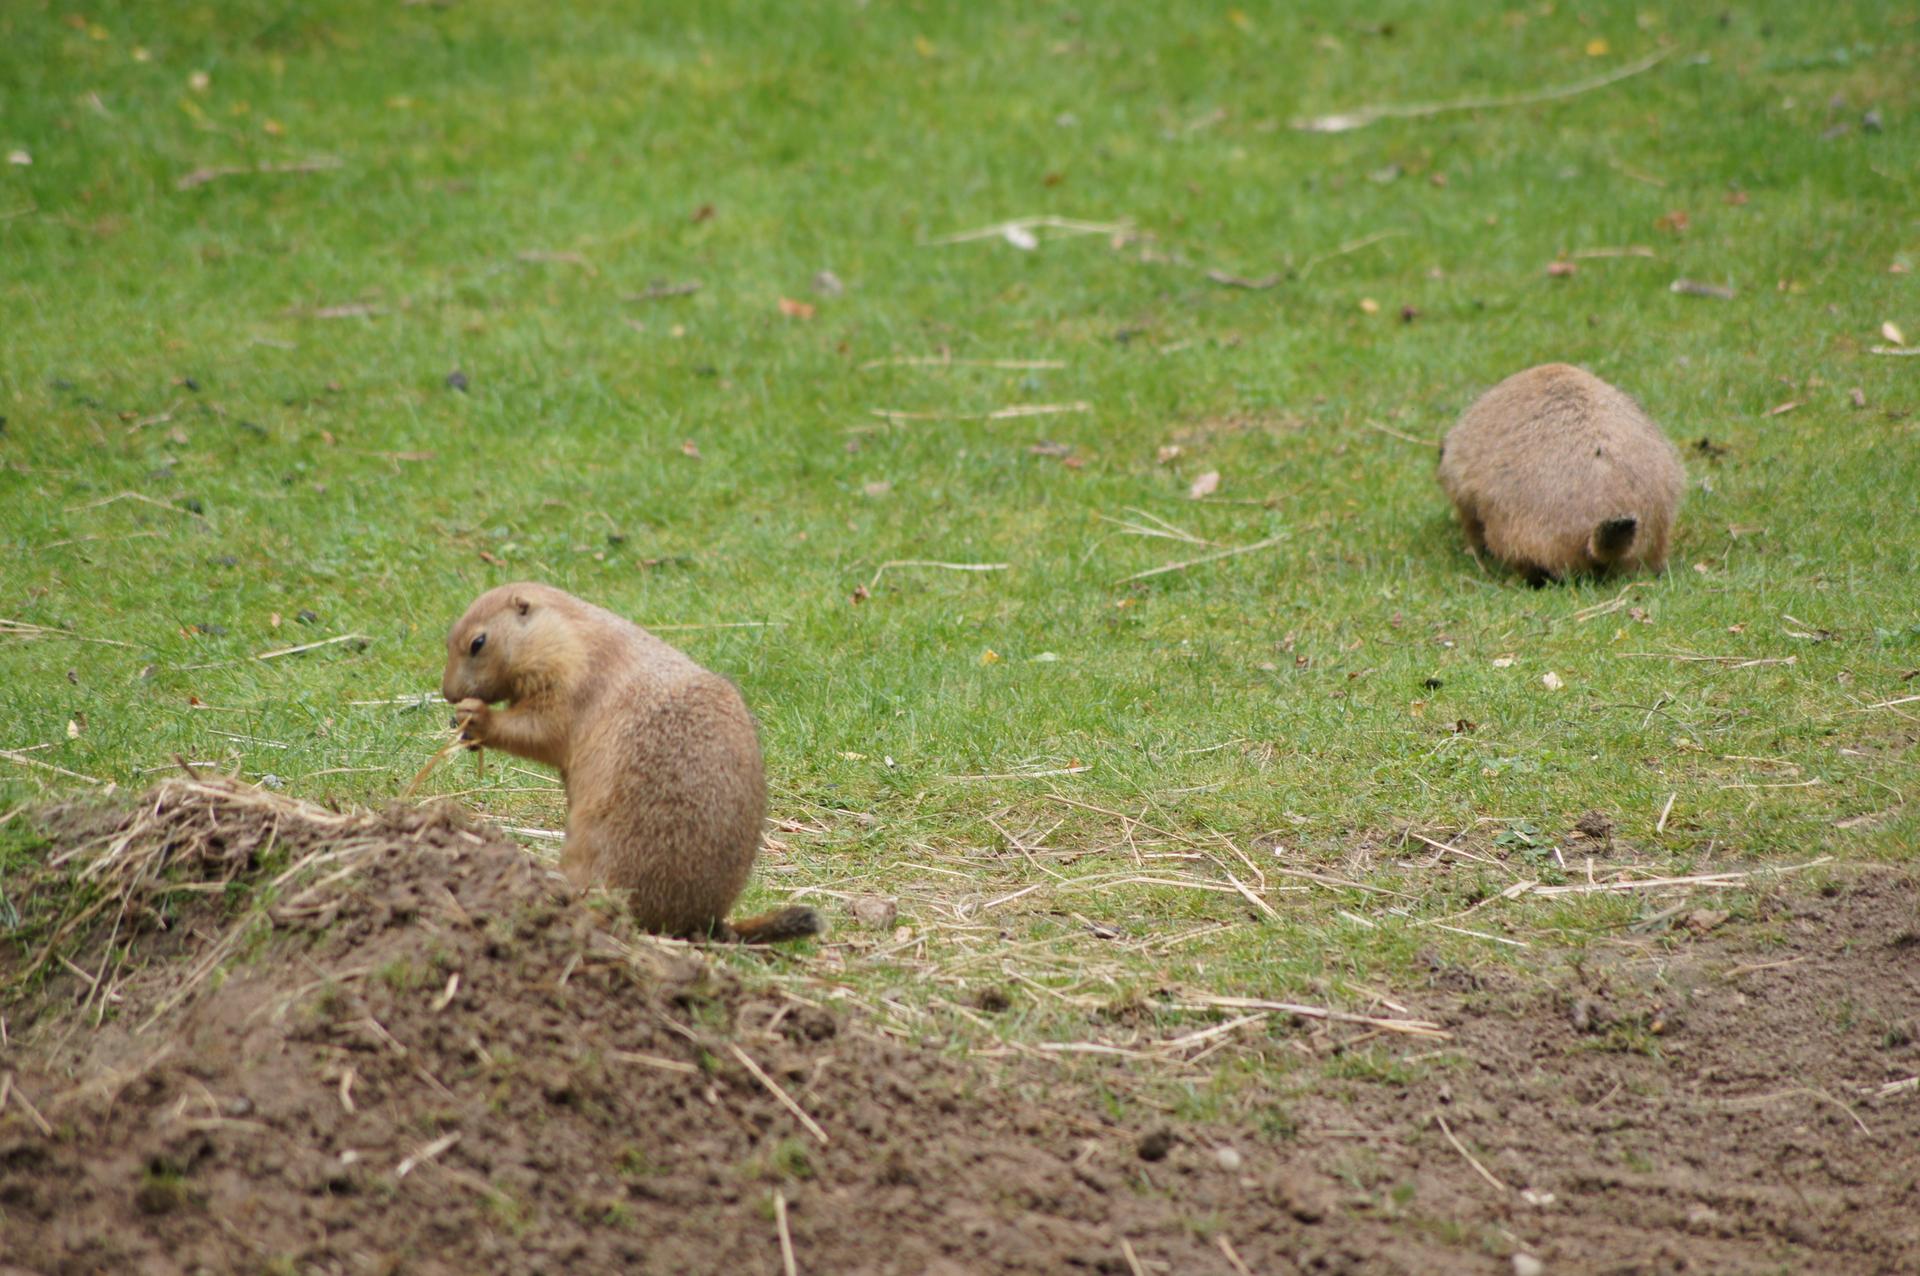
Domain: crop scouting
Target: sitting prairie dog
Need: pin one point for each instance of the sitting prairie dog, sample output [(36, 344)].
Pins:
[(1557, 473), (660, 758)]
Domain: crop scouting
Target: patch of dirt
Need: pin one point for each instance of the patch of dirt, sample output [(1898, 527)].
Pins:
[(426, 1057)]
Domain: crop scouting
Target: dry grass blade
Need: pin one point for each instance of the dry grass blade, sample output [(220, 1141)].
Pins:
[(924, 562), (1472, 1160), (1363, 116), (1182, 565), (425, 1154), (1662, 883), (787, 1263), (1410, 1027), (773, 1088), (310, 646), (948, 361), (23, 629)]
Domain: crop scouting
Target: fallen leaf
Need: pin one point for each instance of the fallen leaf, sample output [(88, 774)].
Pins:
[(1048, 448), (1674, 221), (1020, 237), (1562, 270), (199, 81), (875, 912), (859, 595), (1781, 409), (989, 657), (73, 729), (879, 487), (1893, 334), (703, 213), (1598, 48), (828, 284), (923, 46), (1551, 681), (689, 448), (1639, 614), (1858, 396), (273, 620), (20, 158), (1702, 920), (1502, 662), (795, 309), (1168, 452), (1369, 306), (490, 560), (1204, 486)]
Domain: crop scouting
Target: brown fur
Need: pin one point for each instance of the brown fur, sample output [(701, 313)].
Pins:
[(661, 759), (1556, 473)]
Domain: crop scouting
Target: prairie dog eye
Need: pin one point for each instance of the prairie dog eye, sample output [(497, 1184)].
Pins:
[(479, 641)]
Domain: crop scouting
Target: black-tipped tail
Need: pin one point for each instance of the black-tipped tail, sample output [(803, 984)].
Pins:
[(777, 927), (1613, 538)]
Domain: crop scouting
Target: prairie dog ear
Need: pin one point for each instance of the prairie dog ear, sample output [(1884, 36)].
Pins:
[(521, 604)]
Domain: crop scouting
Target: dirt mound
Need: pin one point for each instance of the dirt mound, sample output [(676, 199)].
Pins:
[(422, 1058), (415, 1053)]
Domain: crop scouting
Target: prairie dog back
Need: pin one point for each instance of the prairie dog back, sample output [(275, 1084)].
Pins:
[(1556, 473)]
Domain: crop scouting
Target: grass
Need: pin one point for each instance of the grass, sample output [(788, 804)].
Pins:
[(196, 468)]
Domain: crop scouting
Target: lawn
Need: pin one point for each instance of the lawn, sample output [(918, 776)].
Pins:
[(321, 319)]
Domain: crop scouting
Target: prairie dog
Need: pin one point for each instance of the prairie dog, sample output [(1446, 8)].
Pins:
[(660, 758), (1556, 473)]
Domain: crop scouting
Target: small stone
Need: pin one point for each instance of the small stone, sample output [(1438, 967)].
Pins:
[(875, 912), (1588, 1015), (1229, 1158), (307, 616), (1872, 122), (1597, 825), (457, 380), (1528, 1265), (828, 284), (1155, 1144)]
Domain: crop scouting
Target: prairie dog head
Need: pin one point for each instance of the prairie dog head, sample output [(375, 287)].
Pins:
[(512, 640)]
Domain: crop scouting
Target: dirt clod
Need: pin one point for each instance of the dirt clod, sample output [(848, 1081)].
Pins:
[(1155, 1144)]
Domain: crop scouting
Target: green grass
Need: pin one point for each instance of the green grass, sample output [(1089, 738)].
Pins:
[(510, 175)]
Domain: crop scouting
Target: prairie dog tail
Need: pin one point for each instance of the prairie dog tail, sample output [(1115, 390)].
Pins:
[(1612, 539), (778, 926)]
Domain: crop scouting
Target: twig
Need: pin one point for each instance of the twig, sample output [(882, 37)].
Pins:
[(1252, 898), (1007, 413), (310, 646), (9, 1090), (786, 1237), (1660, 825), (1472, 1160), (786, 1100), (23, 760), (948, 361), (924, 562), (1204, 558), (653, 1061), (201, 176), (1048, 221), (1133, 1259), (1366, 115), (1233, 1255), (1694, 657), (717, 624), (660, 291), (1907, 351), (1630, 250)]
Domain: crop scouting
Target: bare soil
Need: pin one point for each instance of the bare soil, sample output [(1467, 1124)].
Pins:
[(425, 1058)]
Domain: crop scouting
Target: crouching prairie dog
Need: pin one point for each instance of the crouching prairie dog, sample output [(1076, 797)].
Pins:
[(1556, 473), (660, 758)]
